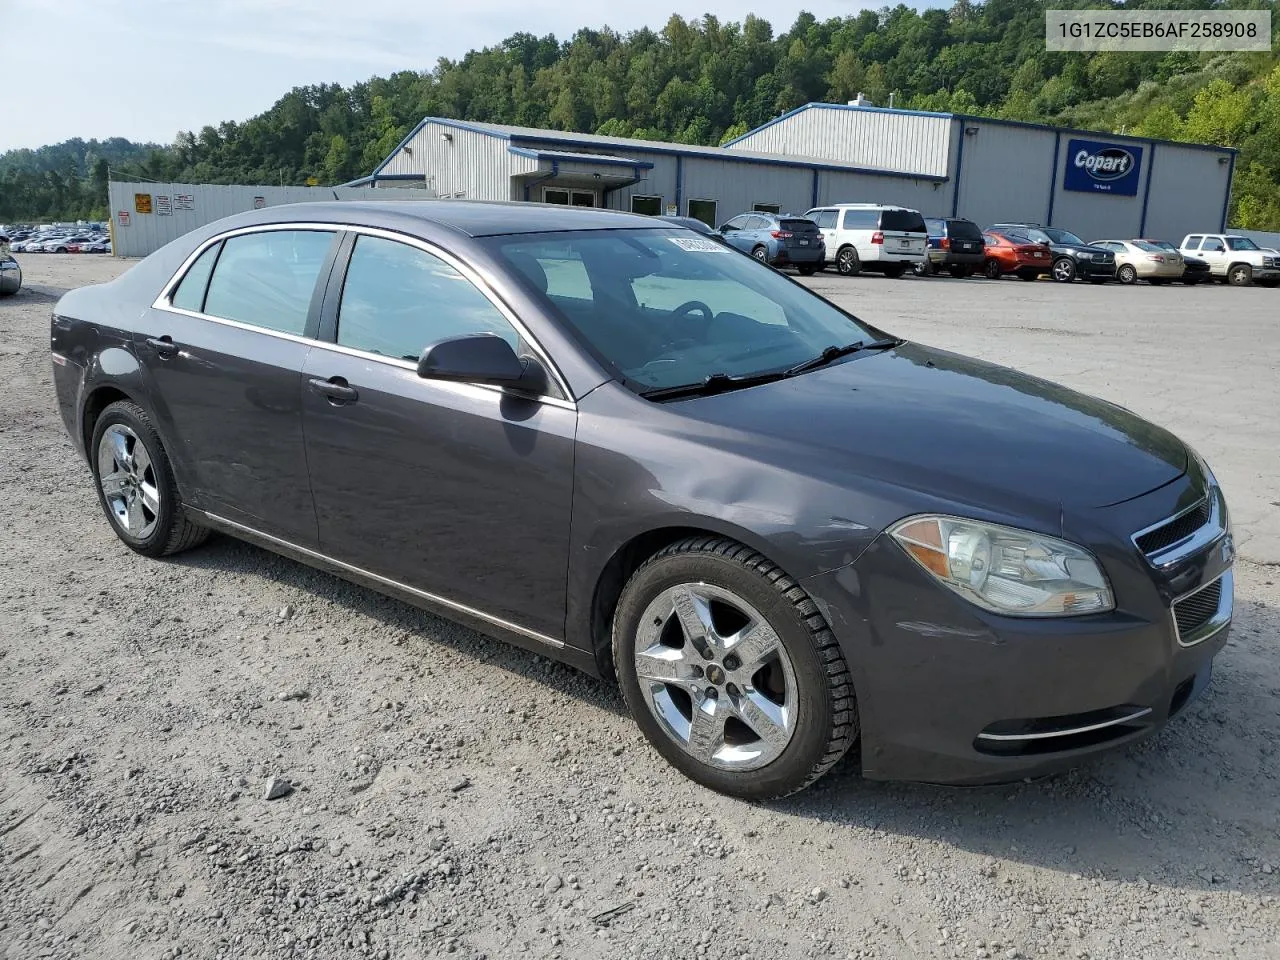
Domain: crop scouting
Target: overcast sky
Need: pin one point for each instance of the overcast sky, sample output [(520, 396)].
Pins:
[(145, 69)]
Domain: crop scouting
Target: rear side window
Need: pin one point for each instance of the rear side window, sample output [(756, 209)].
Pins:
[(1193, 243), (963, 230), (190, 292), (267, 279), (397, 299), (859, 219), (908, 221)]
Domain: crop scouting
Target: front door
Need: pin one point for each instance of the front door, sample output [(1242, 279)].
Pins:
[(459, 490), (1214, 252), (569, 197), (224, 357)]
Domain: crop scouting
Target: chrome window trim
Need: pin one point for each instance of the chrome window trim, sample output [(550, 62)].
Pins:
[(1213, 529), (323, 558), (1221, 617), (1006, 737), (165, 300)]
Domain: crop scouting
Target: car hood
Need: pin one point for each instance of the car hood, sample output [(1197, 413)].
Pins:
[(1078, 248), (954, 427)]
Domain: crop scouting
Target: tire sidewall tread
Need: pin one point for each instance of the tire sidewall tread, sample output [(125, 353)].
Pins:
[(826, 725), (174, 531)]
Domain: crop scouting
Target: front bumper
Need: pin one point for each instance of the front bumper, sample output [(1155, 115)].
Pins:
[(948, 693), (796, 255), (1089, 269)]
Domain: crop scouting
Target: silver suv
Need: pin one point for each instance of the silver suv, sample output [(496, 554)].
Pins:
[(1234, 259)]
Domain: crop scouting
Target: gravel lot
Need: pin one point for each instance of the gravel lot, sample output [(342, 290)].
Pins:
[(457, 797)]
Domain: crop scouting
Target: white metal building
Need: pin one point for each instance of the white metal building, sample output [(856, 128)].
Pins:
[(1095, 184)]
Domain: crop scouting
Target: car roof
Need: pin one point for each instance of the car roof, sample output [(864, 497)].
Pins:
[(474, 218)]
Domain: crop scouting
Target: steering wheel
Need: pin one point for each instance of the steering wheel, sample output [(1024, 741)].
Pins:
[(692, 305)]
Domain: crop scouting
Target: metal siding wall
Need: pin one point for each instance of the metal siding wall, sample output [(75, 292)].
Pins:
[(886, 141), (1188, 188), (471, 165), (148, 232), (929, 197), (1005, 174), (736, 185)]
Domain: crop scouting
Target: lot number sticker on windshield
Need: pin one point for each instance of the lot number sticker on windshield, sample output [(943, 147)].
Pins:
[(698, 245)]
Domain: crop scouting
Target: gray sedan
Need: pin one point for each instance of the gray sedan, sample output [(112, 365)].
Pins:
[(614, 441)]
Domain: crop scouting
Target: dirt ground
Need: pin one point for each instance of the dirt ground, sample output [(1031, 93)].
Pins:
[(455, 797)]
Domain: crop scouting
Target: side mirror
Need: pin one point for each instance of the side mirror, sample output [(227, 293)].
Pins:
[(481, 358), (726, 228)]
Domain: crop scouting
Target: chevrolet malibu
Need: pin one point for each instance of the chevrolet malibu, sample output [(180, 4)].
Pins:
[(783, 531)]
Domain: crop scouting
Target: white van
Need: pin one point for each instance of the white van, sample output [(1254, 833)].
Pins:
[(872, 236)]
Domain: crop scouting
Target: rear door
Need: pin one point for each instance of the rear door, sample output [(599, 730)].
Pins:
[(904, 233), (224, 351), (965, 237), (804, 234)]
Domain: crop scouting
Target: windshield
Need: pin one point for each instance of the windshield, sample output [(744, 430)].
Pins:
[(1241, 243), (1054, 235), (667, 308)]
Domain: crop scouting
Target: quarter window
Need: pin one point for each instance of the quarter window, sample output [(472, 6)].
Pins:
[(267, 279), (190, 292), (397, 299)]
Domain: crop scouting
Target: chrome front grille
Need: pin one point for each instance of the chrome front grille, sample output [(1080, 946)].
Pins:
[(1174, 530), (1205, 611)]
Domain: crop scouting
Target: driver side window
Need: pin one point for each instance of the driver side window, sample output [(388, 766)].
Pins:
[(396, 299), (1213, 245)]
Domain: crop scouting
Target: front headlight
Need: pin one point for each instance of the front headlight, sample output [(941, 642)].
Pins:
[(1006, 570)]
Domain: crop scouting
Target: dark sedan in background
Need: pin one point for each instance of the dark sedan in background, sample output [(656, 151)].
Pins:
[(1072, 257), (616, 442)]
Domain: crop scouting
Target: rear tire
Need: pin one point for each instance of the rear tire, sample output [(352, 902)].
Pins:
[(991, 270), (895, 271), (761, 254), (847, 262), (700, 710), (135, 484)]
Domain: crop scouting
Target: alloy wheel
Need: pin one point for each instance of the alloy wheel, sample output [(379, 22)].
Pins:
[(128, 481), (847, 261), (1064, 270), (1127, 274), (716, 676)]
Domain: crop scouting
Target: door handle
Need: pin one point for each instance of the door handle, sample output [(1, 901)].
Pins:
[(164, 347), (335, 388)]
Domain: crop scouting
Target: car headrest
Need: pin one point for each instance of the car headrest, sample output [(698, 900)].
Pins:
[(531, 268)]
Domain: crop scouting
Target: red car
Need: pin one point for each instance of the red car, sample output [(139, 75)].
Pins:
[(1009, 253)]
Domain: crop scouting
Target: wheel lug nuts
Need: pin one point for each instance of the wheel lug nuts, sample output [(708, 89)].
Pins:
[(731, 662), (697, 671), (712, 693), (731, 690)]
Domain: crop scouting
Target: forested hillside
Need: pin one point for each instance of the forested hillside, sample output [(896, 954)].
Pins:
[(704, 81)]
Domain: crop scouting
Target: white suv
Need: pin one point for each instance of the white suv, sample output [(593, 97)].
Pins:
[(1237, 260), (871, 236)]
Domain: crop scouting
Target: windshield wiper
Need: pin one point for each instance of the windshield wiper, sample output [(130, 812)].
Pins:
[(712, 384), (833, 353)]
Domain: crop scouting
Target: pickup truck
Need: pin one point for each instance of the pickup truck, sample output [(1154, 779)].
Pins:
[(1233, 259)]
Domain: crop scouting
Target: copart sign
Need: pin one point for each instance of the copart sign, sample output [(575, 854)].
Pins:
[(1095, 167)]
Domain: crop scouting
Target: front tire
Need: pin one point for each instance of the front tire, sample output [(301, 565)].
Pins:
[(730, 670), (135, 484), (1127, 274), (991, 270), (1240, 275), (1064, 270), (847, 262)]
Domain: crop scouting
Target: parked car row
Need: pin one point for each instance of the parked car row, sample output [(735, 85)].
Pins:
[(88, 241), (858, 237)]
